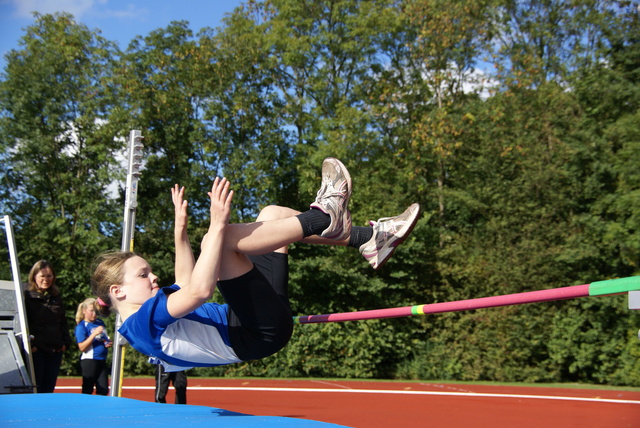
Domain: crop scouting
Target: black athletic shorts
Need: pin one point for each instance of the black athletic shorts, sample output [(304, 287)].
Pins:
[(260, 319)]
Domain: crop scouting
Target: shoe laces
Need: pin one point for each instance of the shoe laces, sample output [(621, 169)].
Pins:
[(329, 190)]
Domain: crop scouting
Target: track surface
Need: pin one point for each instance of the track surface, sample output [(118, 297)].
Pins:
[(397, 404)]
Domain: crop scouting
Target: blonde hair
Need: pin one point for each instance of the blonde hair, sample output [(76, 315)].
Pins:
[(109, 270), (35, 269), (84, 305)]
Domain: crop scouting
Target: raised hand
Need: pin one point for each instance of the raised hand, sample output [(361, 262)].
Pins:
[(221, 198), (185, 261), (180, 205), (204, 275)]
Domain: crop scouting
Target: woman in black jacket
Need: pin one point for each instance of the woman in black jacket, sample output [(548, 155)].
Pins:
[(47, 325)]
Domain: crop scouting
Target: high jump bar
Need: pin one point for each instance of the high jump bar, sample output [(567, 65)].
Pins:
[(598, 288)]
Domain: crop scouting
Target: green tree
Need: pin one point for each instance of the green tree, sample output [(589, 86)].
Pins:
[(57, 103), (525, 194), (162, 89), (317, 57), (245, 117), (526, 184), (58, 125)]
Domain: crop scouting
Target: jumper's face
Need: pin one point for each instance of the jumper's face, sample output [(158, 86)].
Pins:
[(44, 279), (89, 313), (139, 283)]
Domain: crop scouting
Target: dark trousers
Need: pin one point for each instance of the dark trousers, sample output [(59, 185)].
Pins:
[(94, 372), (179, 380), (46, 366)]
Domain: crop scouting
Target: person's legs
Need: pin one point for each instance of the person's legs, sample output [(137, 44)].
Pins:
[(162, 384), (102, 381), (89, 375), (376, 242), (52, 362), (255, 284), (260, 319), (261, 237), (180, 385), (275, 229), (272, 213), (39, 369)]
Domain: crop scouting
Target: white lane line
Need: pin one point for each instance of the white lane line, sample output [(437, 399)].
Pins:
[(386, 391)]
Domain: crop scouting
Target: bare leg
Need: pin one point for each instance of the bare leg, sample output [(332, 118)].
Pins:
[(275, 212), (276, 227)]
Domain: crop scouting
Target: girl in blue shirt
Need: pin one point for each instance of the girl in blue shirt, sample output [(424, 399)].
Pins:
[(93, 341), (249, 265)]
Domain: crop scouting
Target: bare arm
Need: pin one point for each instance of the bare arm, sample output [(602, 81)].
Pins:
[(184, 254), (205, 274), (85, 344)]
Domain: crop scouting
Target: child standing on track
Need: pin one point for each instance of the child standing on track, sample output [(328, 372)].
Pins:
[(248, 263), (93, 341)]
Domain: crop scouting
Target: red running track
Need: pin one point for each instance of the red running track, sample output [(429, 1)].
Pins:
[(369, 404)]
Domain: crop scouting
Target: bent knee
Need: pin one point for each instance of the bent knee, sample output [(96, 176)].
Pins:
[(276, 212)]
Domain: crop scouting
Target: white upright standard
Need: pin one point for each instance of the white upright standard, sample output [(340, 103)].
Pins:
[(130, 205)]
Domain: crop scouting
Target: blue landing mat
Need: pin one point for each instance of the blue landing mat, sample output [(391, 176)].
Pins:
[(80, 410)]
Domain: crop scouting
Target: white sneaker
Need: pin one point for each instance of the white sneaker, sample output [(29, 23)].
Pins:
[(388, 233), (333, 199)]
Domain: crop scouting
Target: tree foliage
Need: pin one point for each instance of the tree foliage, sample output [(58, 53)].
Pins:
[(514, 123), (59, 121)]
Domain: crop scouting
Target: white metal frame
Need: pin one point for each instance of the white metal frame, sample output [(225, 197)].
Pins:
[(17, 286), (130, 205)]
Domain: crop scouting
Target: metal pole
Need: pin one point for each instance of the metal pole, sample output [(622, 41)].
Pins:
[(130, 205), (22, 315), (598, 288)]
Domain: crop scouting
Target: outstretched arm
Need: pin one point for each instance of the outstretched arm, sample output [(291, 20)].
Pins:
[(205, 273), (184, 254)]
